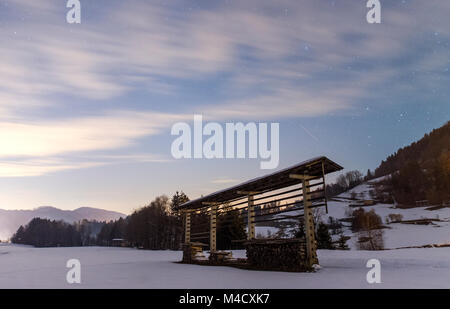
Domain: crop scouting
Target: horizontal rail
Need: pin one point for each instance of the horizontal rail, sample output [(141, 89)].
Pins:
[(198, 234), (221, 221), (285, 211), (292, 203), (244, 209), (277, 194), (197, 238)]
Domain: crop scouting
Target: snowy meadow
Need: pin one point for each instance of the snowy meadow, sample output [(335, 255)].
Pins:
[(28, 267)]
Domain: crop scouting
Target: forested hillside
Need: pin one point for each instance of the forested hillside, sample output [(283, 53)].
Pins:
[(432, 147), (420, 171)]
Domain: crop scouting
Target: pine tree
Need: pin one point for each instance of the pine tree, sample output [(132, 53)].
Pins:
[(178, 199), (342, 242), (369, 175), (324, 240), (300, 233), (230, 227)]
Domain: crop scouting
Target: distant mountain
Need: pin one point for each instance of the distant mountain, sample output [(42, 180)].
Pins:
[(11, 220)]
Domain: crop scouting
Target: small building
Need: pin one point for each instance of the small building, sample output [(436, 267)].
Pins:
[(119, 242)]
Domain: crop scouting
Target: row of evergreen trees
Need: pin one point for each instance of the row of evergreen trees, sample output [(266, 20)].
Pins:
[(158, 226), (51, 233), (155, 226), (46, 233)]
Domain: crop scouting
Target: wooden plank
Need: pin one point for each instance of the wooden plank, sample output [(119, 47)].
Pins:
[(198, 234), (248, 192)]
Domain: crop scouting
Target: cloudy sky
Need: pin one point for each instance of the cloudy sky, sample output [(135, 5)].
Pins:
[(86, 109)]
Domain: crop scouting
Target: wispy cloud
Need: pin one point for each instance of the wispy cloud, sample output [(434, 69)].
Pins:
[(286, 59), (36, 144), (288, 46), (224, 181), (38, 167), (76, 135), (31, 167)]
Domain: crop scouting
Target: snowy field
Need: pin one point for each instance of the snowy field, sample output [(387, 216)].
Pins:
[(27, 267)]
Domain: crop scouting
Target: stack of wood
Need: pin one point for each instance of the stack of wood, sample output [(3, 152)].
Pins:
[(219, 257), (192, 251), (277, 254)]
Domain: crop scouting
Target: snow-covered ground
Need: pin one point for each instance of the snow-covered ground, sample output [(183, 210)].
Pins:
[(396, 235), (27, 267)]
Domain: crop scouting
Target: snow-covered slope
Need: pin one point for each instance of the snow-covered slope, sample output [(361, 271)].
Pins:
[(395, 235), (10, 220)]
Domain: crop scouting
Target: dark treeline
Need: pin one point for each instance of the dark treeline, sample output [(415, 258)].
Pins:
[(45, 233), (425, 151), (112, 230), (156, 226), (420, 171), (414, 183), (51, 233)]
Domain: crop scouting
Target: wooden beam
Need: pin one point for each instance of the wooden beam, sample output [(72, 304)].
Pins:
[(301, 177), (248, 192)]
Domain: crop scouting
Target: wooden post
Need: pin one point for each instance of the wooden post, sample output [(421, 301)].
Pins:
[(309, 225), (251, 218), (324, 187), (250, 213), (213, 230), (187, 227)]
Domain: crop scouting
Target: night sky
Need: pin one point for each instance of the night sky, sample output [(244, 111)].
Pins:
[(86, 109)]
